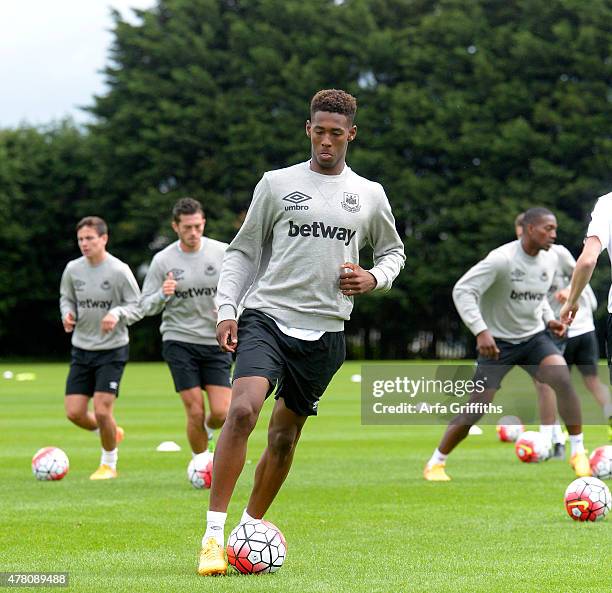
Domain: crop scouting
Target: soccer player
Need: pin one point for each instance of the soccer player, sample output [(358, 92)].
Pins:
[(293, 267), (597, 239), (502, 299), (578, 346), (182, 282), (98, 300)]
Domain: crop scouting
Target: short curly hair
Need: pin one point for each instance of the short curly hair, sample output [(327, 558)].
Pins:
[(334, 101)]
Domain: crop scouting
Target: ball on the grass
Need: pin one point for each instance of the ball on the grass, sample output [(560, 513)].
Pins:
[(587, 499), (50, 463), (601, 462), (509, 428), (199, 470), (531, 447), (256, 547)]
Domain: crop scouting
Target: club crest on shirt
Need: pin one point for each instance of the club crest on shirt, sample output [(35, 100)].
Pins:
[(210, 270), (544, 276), (106, 285), (350, 202), (517, 275)]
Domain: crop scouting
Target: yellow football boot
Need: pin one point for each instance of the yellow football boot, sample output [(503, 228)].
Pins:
[(104, 472), (212, 559), (436, 473)]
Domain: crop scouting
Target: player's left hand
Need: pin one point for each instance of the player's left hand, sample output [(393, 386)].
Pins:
[(355, 280), (108, 323), (557, 328)]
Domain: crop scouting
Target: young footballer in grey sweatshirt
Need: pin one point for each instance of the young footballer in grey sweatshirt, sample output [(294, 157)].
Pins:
[(293, 267), (182, 282), (502, 300), (98, 300)]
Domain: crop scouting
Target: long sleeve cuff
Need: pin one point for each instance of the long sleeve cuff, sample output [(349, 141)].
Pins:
[(477, 327), (382, 282), (226, 312)]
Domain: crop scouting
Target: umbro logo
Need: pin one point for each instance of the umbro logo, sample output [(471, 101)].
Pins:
[(517, 275), (296, 198), (79, 285)]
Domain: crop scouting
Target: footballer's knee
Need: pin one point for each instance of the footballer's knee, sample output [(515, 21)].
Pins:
[(241, 419), (281, 441)]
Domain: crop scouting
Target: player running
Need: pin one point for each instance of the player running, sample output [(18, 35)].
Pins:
[(293, 267), (182, 282), (502, 300), (98, 300)]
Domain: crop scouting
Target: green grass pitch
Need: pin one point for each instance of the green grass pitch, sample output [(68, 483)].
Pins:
[(356, 513)]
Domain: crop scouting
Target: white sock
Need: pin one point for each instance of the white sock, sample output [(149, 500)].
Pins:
[(209, 431), (546, 430), (246, 517), (437, 458), (110, 458), (96, 431), (576, 443), (608, 411), (215, 524), (557, 435)]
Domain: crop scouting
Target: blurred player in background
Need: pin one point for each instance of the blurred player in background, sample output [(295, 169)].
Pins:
[(502, 300), (98, 300), (182, 282), (598, 238), (293, 267), (579, 346)]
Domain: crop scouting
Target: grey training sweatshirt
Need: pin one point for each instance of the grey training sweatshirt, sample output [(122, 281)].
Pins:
[(300, 228), (190, 314), (90, 292), (506, 293)]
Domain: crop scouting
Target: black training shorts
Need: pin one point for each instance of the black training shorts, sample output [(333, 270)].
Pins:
[(528, 354), (300, 369), (583, 351), (96, 370), (196, 365)]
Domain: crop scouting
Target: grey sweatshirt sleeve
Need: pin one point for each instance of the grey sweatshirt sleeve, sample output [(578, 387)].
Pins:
[(67, 298), (153, 299), (471, 286), (547, 313), (242, 257), (389, 255), (129, 311)]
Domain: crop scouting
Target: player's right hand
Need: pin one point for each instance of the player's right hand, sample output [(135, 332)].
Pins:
[(69, 322), (169, 285), (487, 348), (227, 335), (568, 313)]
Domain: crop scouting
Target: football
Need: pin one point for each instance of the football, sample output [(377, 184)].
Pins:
[(199, 470), (256, 547), (50, 463), (587, 499), (509, 428), (531, 447), (601, 462)]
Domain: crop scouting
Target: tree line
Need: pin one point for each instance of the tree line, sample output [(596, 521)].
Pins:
[(469, 112)]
